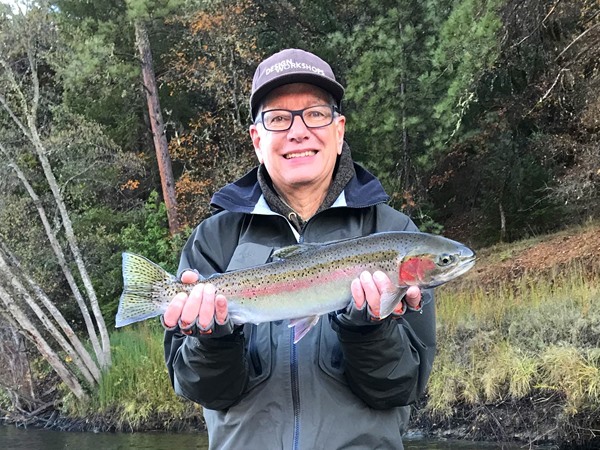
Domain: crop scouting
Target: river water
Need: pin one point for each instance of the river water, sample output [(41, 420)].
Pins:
[(12, 438)]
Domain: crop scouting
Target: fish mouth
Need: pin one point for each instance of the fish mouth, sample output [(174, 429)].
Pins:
[(466, 262), (465, 266)]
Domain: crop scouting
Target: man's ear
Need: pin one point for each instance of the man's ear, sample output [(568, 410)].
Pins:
[(340, 128), (255, 136)]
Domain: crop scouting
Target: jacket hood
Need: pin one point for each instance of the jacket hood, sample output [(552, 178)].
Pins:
[(242, 196)]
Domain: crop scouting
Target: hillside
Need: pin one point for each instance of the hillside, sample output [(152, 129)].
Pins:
[(542, 255)]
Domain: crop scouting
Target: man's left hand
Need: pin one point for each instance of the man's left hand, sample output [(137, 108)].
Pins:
[(369, 288)]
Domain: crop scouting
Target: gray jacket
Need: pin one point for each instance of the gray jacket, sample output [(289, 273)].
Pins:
[(340, 387)]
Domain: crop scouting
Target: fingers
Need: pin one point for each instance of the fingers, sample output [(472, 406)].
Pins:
[(372, 293), (221, 310), (400, 309), (412, 300), (358, 293), (368, 288), (193, 305), (173, 312), (207, 308), (364, 290), (201, 305), (189, 277), (413, 297), (383, 282)]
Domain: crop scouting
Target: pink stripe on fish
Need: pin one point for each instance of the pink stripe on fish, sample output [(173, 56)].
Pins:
[(298, 283)]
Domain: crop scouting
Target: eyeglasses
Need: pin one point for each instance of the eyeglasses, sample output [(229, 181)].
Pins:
[(282, 119)]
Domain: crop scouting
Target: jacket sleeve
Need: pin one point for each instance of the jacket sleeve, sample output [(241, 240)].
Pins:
[(388, 364), (210, 371)]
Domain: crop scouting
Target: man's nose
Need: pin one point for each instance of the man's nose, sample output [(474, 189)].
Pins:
[(298, 128)]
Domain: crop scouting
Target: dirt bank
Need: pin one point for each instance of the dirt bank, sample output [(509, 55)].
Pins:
[(533, 422), (539, 256)]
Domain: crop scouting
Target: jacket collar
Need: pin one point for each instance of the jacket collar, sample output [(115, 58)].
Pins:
[(246, 196)]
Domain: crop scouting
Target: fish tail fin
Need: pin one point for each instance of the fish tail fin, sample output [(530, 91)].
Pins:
[(390, 300), (140, 300)]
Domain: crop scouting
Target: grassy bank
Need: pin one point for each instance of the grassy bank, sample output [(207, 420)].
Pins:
[(136, 393), (519, 358), (511, 340)]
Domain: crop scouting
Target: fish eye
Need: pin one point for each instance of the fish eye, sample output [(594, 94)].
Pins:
[(445, 259)]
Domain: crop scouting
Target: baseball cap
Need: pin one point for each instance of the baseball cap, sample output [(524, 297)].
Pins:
[(292, 65)]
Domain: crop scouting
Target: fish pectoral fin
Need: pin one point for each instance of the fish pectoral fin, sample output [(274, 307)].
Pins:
[(302, 326), (389, 300)]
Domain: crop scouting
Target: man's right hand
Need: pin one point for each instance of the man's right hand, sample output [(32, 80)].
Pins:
[(202, 311)]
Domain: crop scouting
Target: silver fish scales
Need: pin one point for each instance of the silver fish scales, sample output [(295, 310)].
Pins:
[(303, 281)]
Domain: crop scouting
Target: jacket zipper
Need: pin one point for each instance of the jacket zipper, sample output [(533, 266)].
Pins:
[(295, 390), (295, 382)]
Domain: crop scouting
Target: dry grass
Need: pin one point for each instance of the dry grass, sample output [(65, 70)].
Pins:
[(518, 339)]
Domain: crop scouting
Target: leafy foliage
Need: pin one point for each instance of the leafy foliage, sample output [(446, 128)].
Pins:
[(522, 144), (149, 237), (213, 64), (388, 53)]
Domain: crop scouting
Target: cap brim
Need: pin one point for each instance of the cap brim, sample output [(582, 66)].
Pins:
[(327, 84)]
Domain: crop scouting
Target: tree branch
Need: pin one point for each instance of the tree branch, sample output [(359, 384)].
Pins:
[(575, 40), (75, 350), (38, 340), (538, 25)]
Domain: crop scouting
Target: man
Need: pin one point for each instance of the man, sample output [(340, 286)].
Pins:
[(348, 382)]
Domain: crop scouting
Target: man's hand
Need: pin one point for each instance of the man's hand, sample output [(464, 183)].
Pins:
[(203, 311), (369, 288)]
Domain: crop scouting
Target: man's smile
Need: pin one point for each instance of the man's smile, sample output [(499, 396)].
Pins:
[(300, 154)]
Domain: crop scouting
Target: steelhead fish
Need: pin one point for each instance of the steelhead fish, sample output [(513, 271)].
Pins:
[(303, 281)]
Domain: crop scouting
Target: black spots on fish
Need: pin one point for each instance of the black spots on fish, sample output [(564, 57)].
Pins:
[(139, 270), (136, 307)]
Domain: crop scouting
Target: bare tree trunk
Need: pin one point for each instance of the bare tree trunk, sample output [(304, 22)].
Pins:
[(502, 223), (20, 100), (105, 358), (405, 157), (236, 103), (88, 368), (30, 131), (158, 126), (37, 339), (59, 255), (15, 373), (30, 111)]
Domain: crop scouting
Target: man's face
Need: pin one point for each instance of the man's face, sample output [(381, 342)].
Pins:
[(299, 157)]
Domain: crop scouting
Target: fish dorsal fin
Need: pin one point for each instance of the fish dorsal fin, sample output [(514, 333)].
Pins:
[(292, 251), (300, 249)]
